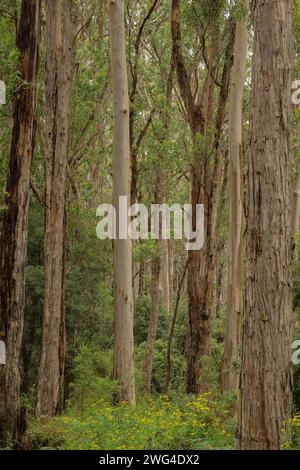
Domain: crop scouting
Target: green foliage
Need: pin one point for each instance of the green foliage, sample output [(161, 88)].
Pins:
[(90, 421), (92, 370), (158, 423), (159, 367), (141, 320), (294, 444)]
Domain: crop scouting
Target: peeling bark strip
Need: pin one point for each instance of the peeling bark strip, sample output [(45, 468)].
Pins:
[(59, 57), (13, 244), (265, 388), (123, 370)]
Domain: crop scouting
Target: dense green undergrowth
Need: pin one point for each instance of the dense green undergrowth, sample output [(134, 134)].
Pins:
[(202, 422), (160, 423)]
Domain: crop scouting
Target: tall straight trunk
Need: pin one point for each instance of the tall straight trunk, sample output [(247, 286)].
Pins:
[(265, 388), (13, 244), (59, 56), (230, 363), (200, 276), (123, 370)]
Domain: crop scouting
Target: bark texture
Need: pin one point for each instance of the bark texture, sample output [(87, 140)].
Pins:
[(265, 387), (13, 244), (123, 370), (59, 56)]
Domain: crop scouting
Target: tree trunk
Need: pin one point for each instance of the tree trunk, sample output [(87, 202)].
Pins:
[(201, 269), (205, 176), (13, 245), (200, 284), (123, 297), (230, 364), (265, 388), (172, 331), (59, 57)]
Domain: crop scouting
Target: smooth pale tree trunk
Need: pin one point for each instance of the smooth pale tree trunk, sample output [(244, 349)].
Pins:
[(59, 56), (229, 376), (123, 367), (265, 387), (13, 244)]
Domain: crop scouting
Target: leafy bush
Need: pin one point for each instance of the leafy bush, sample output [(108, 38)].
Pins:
[(92, 382), (159, 366), (203, 422)]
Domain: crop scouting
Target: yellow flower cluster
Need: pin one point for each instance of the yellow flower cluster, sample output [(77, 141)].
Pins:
[(296, 420), (156, 422)]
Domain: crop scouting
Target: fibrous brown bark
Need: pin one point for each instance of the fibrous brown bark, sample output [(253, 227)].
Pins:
[(265, 387), (13, 244), (59, 56), (123, 370)]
